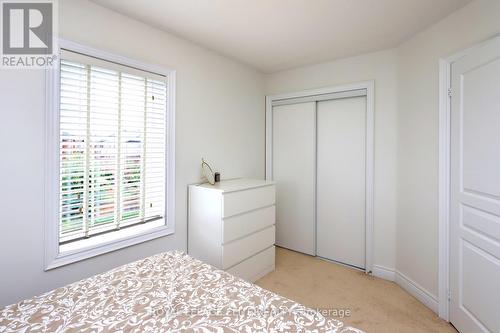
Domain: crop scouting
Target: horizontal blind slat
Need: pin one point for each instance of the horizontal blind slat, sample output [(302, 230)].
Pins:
[(91, 105)]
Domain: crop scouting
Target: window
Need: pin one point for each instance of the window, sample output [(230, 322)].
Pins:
[(113, 155)]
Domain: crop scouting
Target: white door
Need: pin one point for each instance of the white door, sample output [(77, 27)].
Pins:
[(475, 191), (340, 217), (294, 150)]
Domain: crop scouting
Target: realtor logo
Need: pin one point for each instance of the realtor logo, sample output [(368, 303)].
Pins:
[(27, 30)]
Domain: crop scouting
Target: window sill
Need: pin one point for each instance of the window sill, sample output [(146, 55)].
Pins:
[(88, 248)]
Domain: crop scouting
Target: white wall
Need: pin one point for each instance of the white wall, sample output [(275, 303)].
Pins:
[(217, 99), (406, 133), (417, 229), (381, 67)]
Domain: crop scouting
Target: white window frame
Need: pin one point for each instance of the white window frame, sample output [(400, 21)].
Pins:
[(115, 240)]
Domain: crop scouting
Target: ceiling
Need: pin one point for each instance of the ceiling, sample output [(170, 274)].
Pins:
[(273, 35)]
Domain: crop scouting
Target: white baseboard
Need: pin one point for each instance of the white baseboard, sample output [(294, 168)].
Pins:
[(417, 291), (384, 272), (407, 284)]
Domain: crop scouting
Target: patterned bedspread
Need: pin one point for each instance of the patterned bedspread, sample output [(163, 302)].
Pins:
[(168, 292)]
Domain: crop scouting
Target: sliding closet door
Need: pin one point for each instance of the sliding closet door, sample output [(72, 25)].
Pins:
[(293, 170), (341, 142)]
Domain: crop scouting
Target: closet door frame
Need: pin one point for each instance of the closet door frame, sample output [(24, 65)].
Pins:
[(369, 86)]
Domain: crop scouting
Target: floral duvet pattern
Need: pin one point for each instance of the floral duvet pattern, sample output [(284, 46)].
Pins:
[(168, 292)]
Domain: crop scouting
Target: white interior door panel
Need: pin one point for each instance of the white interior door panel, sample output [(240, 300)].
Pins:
[(294, 150), (475, 191), (341, 156)]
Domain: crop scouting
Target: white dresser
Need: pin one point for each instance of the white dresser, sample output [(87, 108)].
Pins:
[(232, 226)]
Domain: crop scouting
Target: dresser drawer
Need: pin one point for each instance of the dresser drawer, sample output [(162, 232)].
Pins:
[(243, 201), (241, 225), (256, 266), (241, 249)]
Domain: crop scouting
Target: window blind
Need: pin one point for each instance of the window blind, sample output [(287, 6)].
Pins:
[(112, 146)]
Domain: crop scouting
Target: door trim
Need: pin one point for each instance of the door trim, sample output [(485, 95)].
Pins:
[(370, 107), (445, 94)]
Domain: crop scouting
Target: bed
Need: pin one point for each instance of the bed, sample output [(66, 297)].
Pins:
[(168, 292)]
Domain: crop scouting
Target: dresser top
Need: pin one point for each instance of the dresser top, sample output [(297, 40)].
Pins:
[(238, 184)]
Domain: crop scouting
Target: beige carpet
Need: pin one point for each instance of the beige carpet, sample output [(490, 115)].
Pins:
[(376, 305)]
